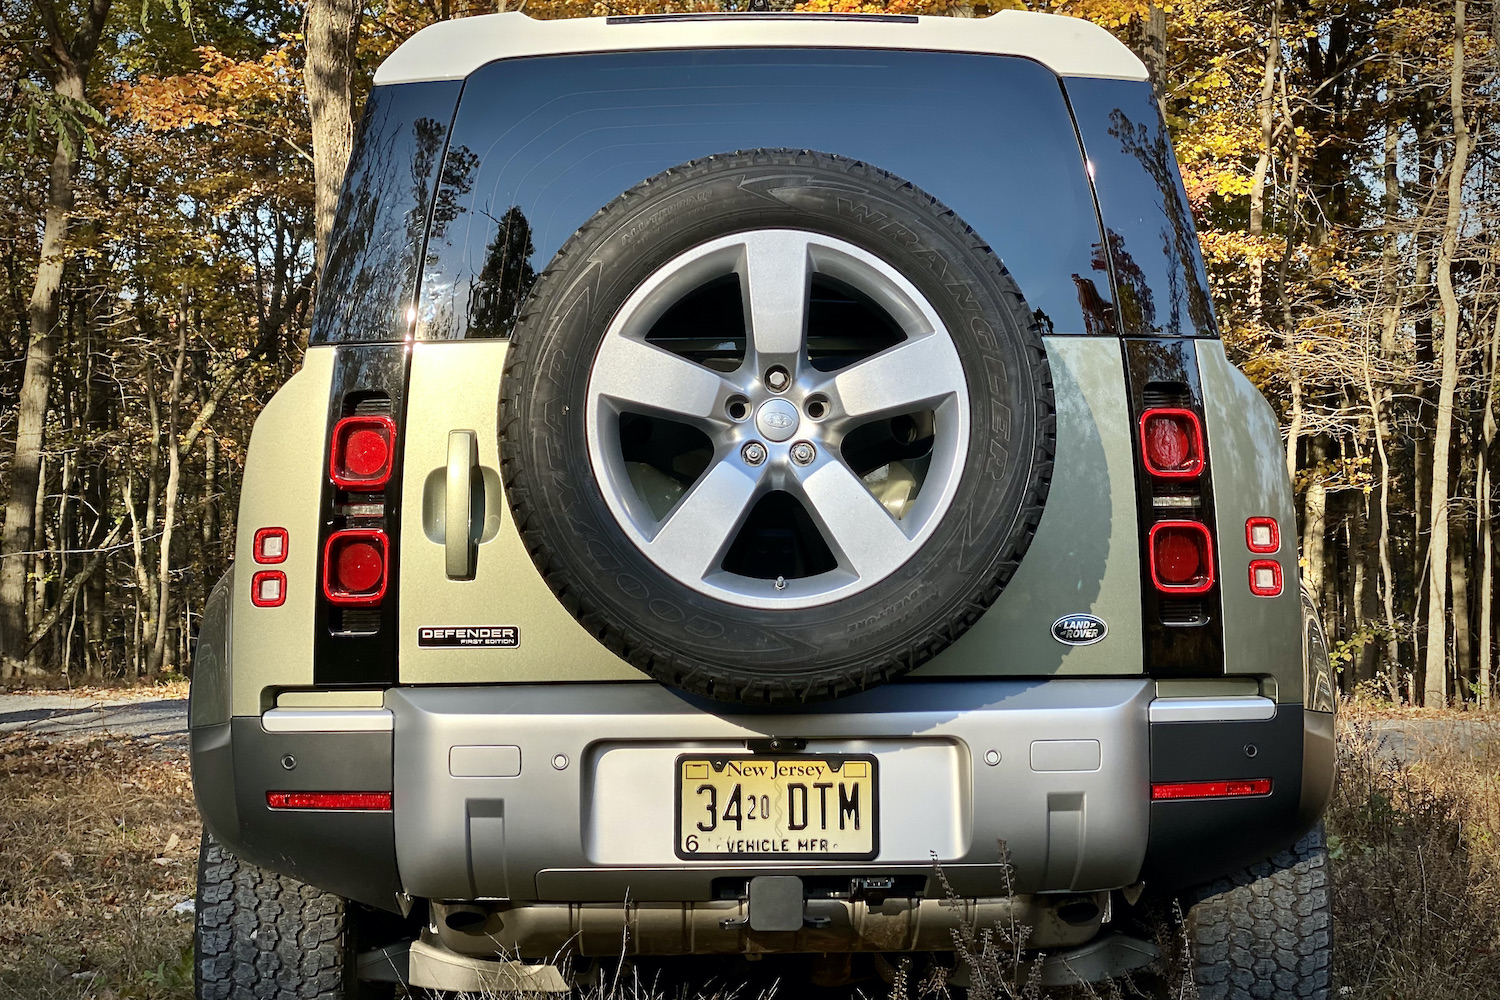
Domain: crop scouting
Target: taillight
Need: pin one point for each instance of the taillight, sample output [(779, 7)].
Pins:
[(1211, 789), (356, 566), (363, 453), (1265, 578), (270, 545), (268, 588), (358, 801), (1262, 535), (1182, 557), (1172, 443)]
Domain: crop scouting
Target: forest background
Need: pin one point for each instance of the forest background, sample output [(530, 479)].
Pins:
[(170, 171)]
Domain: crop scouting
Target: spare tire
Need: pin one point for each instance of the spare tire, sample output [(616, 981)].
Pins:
[(776, 426)]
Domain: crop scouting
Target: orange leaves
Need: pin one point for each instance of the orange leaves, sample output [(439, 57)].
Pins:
[(221, 92)]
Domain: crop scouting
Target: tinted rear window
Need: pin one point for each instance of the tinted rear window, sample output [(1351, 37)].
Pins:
[(366, 290), (539, 145)]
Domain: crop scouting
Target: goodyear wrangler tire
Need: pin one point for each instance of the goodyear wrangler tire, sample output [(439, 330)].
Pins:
[(776, 426)]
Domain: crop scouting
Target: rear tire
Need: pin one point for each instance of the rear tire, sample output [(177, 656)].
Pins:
[(1267, 930), (263, 936)]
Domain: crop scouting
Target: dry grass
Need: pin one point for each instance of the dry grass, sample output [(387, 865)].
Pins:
[(98, 841), (1416, 863)]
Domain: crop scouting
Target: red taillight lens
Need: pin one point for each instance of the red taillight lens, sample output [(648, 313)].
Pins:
[(1265, 578), (362, 801), (1172, 443), (362, 453), (356, 566), (1182, 557), (270, 545), (1211, 789), (1262, 534), (268, 589)]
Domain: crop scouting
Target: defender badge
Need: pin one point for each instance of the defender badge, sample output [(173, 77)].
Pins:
[(480, 637), (1079, 630)]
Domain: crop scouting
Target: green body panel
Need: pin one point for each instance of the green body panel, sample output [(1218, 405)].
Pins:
[(283, 487), (1262, 636), (456, 387), (1084, 559), (1086, 556)]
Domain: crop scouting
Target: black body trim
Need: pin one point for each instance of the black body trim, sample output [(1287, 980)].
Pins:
[(364, 653), (1183, 636), (351, 854), (1195, 841)]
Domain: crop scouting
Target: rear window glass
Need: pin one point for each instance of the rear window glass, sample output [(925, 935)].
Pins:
[(539, 145), (369, 280), (1162, 287)]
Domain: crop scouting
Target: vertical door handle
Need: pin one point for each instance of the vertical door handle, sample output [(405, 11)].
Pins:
[(463, 463)]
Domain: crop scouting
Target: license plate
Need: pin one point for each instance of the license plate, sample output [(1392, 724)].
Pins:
[(776, 807)]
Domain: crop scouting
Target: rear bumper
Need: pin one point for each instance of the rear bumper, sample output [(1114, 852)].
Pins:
[(570, 798)]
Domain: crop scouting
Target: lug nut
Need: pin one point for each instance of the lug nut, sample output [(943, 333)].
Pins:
[(753, 453), (778, 379), (803, 453)]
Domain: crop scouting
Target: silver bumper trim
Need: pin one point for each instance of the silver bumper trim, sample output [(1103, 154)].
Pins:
[(1241, 709), (592, 810), (328, 720)]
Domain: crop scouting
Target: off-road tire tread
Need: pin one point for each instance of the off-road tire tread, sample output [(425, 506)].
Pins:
[(1265, 931), (263, 936), (663, 663)]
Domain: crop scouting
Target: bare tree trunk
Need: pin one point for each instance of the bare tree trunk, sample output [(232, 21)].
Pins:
[(1315, 522), (1434, 689), (1381, 404), (1486, 525), (71, 59), (1266, 104), (1458, 583), (169, 515), (332, 31), (210, 493)]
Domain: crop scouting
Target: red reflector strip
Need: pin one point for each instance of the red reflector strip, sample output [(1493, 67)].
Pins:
[(363, 801), (1211, 789)]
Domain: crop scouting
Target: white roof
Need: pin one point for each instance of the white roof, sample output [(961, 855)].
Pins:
[(451, 50)]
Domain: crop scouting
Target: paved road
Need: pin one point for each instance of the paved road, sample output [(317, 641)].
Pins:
[(60, 715), (1409, 739)]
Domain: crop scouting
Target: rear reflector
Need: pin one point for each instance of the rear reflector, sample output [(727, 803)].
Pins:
[(1265, 578), (270, 545), (1262, 535), (1182, 557), (362, 453), (356, 566), (268, 589), (362, 801), (1211, 789), (1172, 443)]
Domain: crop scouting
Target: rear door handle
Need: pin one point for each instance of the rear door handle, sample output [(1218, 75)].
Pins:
[(458, 523)]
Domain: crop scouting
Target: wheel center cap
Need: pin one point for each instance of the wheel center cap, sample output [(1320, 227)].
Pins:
[(777, 419)]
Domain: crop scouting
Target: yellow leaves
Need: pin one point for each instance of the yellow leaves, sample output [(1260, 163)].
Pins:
[(221, 92)]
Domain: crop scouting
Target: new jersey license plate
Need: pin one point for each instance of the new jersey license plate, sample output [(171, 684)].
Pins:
[(776, 807)]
